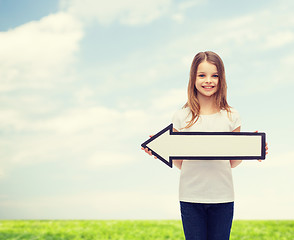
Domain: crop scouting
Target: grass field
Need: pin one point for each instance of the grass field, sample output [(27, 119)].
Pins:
[(130, 230)]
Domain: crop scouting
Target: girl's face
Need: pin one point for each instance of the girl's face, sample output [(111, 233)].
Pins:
[(206, 79)]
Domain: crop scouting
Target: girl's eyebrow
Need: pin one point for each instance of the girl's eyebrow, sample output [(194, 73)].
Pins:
[(205, 72)]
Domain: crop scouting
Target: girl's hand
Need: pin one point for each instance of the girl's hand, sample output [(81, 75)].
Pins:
[(266, 150), (148, 151)]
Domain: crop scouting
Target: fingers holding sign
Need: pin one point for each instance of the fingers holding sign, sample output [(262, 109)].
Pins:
[(266, 149), (147, 150)]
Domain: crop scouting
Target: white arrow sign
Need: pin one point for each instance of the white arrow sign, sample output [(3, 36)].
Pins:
[(168, 145)]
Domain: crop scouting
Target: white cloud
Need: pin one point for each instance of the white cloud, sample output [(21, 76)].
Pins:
[(98, 135), (71, 121), (101, 135), (185, 5), (84, 95), (109, 159), (129, 12), (267, 204), (279, 39), (95, 205), (273, 161), (178, 17), (1, 175), (265, 29), (171, 100), (180, 9), (285, 159), (288, 60), (80, 119), (263, 189), (10, 118), (37, 53)]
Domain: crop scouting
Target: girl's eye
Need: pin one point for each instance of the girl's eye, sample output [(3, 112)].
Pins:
[(201, 75), (215, 76)]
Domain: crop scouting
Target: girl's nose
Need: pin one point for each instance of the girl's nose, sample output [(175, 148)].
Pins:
[(208, 80)]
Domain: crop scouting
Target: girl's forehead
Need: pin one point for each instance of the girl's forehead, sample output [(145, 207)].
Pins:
[(206, 67)]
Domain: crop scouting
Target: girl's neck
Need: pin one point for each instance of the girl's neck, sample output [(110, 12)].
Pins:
[(207, 105)]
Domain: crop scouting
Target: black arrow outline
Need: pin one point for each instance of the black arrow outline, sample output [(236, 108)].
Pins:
[(171, 132)]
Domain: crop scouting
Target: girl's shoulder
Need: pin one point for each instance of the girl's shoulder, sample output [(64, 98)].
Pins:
[(234, 118), (234, 113), (180, 118), (233, 110)]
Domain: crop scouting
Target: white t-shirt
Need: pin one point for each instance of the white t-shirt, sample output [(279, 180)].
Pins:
[(206, 181)]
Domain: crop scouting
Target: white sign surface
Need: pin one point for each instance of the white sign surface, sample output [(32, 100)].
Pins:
[(168, 145)]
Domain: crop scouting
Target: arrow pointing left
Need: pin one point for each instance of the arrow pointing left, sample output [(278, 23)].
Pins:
[(167, 145)]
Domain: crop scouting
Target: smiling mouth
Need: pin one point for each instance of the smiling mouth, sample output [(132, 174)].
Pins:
[(208, 87)]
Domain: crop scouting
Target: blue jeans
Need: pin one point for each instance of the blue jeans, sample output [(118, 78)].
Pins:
[(205, 221)]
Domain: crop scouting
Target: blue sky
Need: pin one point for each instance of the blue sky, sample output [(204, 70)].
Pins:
[(84, 83)]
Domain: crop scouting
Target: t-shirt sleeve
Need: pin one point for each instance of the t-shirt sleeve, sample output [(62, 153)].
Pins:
[(176, 120), (236, 119)]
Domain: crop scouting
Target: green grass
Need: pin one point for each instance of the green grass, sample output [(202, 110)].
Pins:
[(130, 230)]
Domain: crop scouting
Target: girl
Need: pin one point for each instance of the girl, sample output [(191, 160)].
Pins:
[(206, 188)]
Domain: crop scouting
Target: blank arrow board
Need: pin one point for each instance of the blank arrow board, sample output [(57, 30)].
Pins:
[(168, 145)]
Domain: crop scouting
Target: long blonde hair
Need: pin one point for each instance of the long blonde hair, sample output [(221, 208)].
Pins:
[(220, 95)]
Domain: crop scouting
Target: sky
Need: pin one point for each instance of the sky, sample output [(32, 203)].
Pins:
[(84, 83)]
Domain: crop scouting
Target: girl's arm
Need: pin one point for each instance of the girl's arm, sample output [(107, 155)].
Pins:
[(235, 163), (178, 163)]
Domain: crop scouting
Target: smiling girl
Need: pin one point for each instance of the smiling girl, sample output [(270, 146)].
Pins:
[(206, 187)]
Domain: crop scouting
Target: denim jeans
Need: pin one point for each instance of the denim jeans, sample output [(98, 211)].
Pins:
[(205, 221)]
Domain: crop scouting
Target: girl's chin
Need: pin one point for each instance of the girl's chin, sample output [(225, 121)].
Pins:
[(207, 94)]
